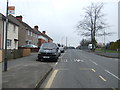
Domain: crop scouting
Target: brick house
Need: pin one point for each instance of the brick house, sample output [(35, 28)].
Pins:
[(44, 38), (2, 22), (20, 33), (12, 42), (30, 35), (27, 35)]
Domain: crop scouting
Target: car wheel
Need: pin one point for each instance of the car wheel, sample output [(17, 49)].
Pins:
[(37, 60), (56, 59)]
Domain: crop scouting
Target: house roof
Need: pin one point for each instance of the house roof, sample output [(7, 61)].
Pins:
[(27, 26), (2, 16), (47, 36), (10, 19), (35, 31), (13, 19)]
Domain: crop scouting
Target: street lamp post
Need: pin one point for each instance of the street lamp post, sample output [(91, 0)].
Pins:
[(66, 42), (5, 59)]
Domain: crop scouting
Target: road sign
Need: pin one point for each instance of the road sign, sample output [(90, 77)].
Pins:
[(11, 9)]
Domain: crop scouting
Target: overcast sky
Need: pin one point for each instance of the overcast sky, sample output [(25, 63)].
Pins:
[(59, 17)]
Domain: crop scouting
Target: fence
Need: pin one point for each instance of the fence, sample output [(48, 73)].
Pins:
[(13, 54), (1, 55), (32, 49)]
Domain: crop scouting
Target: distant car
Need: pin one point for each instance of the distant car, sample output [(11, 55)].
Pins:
[(30, 46), (90, 47), (48, 51), (61, 49)]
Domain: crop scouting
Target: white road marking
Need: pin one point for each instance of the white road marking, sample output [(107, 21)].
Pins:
[(66, 60), (75, 60), (93, 62), (82, 60), (112, 74), (56, 63), (93, 70), (78, 60), (49, 83), (102, 78)]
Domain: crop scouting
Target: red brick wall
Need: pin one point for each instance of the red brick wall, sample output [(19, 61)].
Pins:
[(40, 41), (49, 40)]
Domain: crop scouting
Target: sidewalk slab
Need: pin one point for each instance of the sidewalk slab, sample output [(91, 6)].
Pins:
[(26, 75), (107, 54)]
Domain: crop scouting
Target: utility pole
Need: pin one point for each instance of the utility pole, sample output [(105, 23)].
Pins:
[(5, 59), (104, 42), (62, 40)]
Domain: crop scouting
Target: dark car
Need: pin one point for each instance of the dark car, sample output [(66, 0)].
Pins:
[(48, 51)]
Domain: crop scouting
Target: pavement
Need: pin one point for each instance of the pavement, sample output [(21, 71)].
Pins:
[(25, 72), (0, 76), (108, 54)]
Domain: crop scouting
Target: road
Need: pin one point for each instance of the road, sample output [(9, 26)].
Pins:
[(80, 69)]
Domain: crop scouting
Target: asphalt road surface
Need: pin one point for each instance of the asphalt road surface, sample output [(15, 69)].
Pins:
[(80, 69)]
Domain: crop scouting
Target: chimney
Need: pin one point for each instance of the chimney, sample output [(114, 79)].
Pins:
[(36, 27), (19, 17), (44, 32)]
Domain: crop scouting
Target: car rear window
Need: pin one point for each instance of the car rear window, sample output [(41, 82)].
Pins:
[(49, 46)]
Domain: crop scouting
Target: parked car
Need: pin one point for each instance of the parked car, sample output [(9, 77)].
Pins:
[(48, 51), (61, 49), (30, 46)]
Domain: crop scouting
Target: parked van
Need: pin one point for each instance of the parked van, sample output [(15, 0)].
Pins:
[(90, 47)]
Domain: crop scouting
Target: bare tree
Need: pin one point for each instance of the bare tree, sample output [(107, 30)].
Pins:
[(93, 22)]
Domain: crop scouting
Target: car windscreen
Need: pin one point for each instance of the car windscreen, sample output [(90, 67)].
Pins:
[(48, 46)]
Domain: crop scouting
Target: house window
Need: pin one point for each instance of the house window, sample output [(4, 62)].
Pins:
[(31, 33), (14, 28), (28, 32), (36, 36), (9, 42)]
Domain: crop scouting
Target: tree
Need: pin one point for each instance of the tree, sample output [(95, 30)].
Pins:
[(92, 23), (85, 42)]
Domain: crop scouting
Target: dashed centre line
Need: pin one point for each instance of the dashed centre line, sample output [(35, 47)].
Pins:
[(102, 78), (93, 70)]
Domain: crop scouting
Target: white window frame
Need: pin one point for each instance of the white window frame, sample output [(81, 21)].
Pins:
[(28, 32), (9, 42), (31, 33)]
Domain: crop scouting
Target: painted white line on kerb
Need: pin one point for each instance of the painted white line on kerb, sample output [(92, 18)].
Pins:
[(49, 83), (112, 74), (94, 62)]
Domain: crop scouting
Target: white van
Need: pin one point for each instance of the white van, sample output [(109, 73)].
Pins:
[(90, 47)]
